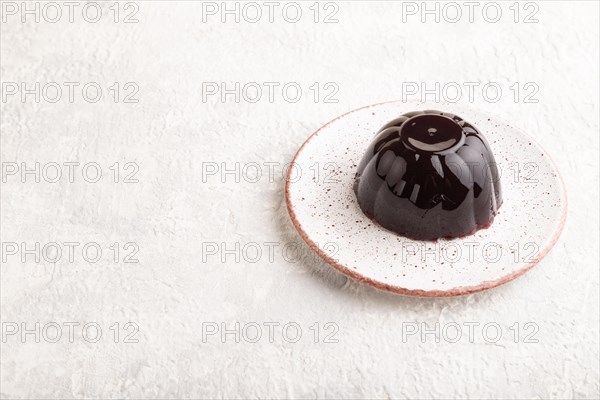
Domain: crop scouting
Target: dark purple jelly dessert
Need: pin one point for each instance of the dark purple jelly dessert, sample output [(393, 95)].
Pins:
[(429, 175)]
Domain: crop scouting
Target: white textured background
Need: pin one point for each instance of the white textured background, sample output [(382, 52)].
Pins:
[(171, 292)]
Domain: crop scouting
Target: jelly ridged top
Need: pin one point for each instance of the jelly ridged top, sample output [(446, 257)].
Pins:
[(429, 175)]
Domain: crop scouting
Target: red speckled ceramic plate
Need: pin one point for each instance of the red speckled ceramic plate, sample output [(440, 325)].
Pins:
[(323, 208)]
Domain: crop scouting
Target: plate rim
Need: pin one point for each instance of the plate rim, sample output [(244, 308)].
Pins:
[(456, 291)]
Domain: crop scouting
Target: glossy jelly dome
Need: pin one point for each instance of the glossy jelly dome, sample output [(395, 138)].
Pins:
[(429, 175)]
